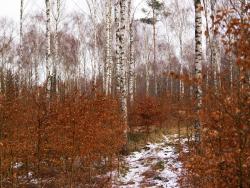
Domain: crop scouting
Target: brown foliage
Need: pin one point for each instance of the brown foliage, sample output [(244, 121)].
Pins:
[(146, 112), (222, 157), (68, 140)]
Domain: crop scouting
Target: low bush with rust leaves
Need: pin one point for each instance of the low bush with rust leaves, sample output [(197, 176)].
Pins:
[(222, 158), (58, 142)]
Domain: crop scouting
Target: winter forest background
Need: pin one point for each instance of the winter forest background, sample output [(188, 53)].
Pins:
[(125, 93)]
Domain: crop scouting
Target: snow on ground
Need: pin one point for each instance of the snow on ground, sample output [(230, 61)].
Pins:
[(156, 165)]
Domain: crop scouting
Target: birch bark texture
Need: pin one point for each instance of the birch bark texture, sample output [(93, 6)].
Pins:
[(121, 77), (146, 60), (95, 46), (108, 73), (154, 50), (57, 17), (131, 59), (215, 50), (117, 47), (21, 30), (56, 38), (48, 39), (198, 68)]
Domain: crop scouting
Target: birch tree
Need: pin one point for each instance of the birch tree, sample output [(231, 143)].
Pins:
[(198, 67), (215, 53), (131, 59), (21, 30), (121, 60), (146, 59), (108, 73), (92, 5), (212, 41), (48, 41), (179, 19), (21, 34), (117, 47), (57, 16), (155, 8)]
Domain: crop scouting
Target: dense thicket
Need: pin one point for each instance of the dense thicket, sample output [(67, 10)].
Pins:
[(58, 142), (73, 97), (222, 157)]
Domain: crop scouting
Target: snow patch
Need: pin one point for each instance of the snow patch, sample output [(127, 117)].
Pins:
[(140, 165)]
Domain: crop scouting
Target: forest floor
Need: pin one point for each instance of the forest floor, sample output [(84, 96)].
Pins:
[(155, 165)]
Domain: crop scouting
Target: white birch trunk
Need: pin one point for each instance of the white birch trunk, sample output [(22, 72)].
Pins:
[(48, 37), (154, 51), (56, 60), (117, 50), (48, 47), (58, 5), (21, 30), (231, 71), (131, 67), (215, 52), (95, 47), (215, 63), (147, 79), (182, 89), (21, 37), (146, 59), (131, 60), (108, 73), (134, 83), (121, 63), (198, 68), (181, 71)]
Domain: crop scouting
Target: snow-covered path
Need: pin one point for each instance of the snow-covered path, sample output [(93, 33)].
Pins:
[(156, 165)]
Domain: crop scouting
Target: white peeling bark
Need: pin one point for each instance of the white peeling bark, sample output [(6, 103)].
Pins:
[(147, 79), (21, 30), (146, 60), (215, 62), (182, 89), (154, 51), (108, 73), (48, 47), (131, 67), (117, 50), (171, 80), (198, 68), (58, 5), (134, 82), (95, 47), (56, 41), (48, 37), (215, 51), (131, 60), (121, 62), (231, 71)]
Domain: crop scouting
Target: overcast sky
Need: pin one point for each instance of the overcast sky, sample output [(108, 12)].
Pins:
[(10, 8)]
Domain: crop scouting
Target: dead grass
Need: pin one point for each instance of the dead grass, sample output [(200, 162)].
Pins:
[(139, 138), (159, 166), (149, 174)]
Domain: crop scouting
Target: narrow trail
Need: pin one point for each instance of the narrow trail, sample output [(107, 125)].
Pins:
[(156, 165)]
